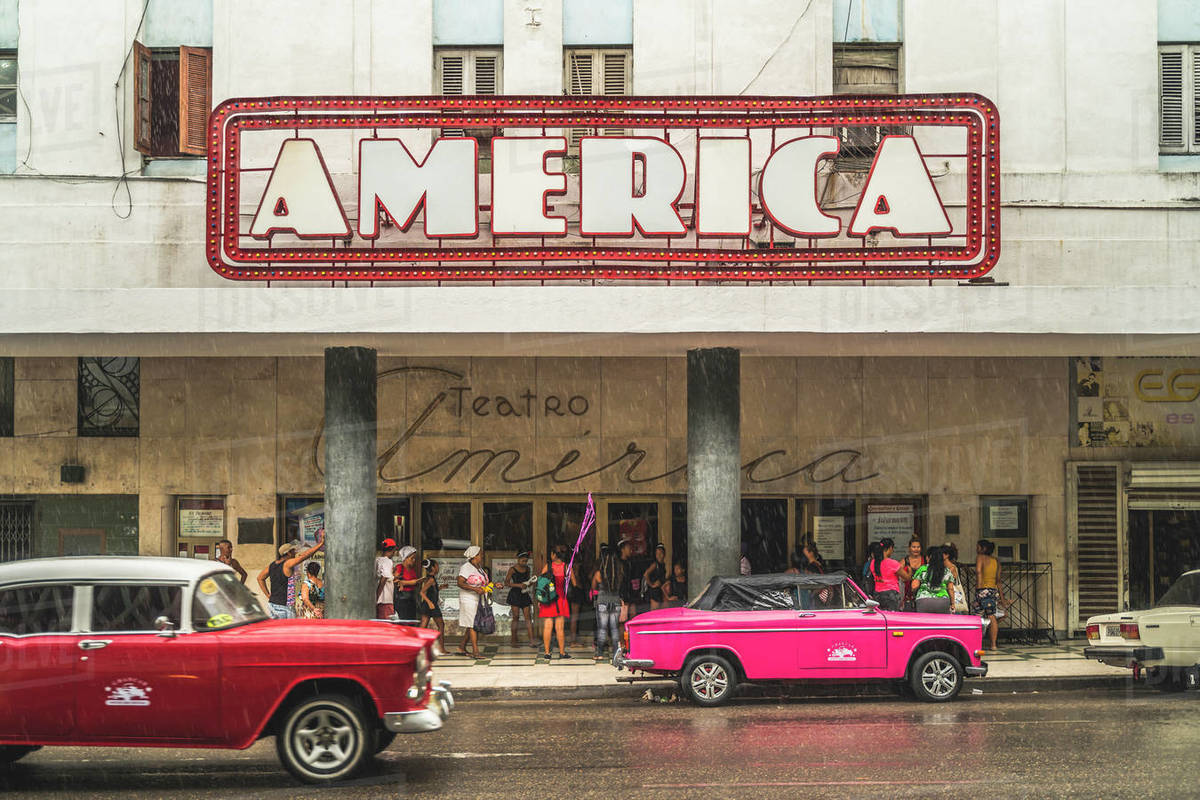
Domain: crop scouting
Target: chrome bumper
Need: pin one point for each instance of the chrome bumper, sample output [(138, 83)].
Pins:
[(976, 672), (621, 662), (423, 720), (1125, 656)]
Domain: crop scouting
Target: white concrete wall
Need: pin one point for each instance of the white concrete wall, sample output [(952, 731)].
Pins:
[(1076, 83)]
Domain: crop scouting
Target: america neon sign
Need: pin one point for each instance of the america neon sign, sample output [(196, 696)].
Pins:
[(393, 189)]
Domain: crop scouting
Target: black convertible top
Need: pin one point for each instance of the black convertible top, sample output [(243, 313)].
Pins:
[(760, 591)]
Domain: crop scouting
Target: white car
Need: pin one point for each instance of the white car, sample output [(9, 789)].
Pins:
[(1161, 644)]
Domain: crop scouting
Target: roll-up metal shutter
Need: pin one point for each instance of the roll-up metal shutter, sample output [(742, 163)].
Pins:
[(1099, 555), (1164, 485)]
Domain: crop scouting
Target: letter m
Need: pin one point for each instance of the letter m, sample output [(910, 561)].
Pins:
[(443, 184)]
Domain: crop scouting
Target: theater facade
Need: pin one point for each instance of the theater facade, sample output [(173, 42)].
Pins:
[(939, 336)]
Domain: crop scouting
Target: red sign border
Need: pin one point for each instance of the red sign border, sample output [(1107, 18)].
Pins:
[(230, 118)]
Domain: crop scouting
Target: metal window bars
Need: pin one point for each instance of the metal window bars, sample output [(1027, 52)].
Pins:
[(1029, 586)]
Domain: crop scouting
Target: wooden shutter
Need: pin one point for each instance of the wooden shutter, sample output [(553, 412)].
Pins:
[(1099, 555), (452, 74), (1171, 122), (487, 74), (616, 81), (195, 99), (452, 69), (616, 73), (1193, 96), (580, 80), (579, 72), (142, 98)]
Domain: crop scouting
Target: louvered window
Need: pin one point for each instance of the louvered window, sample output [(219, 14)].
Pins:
[(1098, 555), (1179, 98), (864, 69), (8, 86), (173, 95), (591, 72), (467, 72)]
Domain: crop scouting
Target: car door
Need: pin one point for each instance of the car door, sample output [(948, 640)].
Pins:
[(38, 660), (139, 684), (839, 634)]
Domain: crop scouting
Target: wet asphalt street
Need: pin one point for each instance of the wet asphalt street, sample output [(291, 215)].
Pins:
[(1087, 744)]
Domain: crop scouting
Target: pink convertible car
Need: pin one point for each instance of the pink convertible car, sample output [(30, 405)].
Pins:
[(800, 627)]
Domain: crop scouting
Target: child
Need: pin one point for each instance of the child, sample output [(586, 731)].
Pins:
[(431, 610)]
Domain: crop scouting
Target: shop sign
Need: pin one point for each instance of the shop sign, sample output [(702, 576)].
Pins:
[(829, 534), (201, 519), (895, 522), (552, 188), (1135, 402)]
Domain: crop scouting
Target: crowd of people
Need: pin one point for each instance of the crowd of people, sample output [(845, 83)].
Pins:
[(558, 593), (930, 581), (560, 590)]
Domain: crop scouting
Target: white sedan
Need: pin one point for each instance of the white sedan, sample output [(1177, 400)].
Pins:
[(1161, 644)]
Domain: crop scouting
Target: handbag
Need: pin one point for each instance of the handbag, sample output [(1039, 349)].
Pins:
[(960, 601), (485, 620)]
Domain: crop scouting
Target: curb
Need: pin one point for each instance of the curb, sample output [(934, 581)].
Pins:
[(626, 691)]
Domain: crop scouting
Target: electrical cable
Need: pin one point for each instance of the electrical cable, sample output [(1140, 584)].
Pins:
[(123, 180), (775, 52)]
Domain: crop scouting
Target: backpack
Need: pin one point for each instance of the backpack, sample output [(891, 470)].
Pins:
[(545, 593), (868, 584)]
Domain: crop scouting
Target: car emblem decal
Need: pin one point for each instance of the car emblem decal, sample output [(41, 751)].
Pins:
[(128, 692), (842, 651)]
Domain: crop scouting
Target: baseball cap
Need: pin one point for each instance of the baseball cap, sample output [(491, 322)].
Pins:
[(287, 548), (387, 544)]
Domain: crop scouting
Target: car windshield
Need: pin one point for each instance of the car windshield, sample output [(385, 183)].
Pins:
[(1184, 592), (221, 601)]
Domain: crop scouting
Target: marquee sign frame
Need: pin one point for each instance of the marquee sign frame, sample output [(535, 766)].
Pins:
[(963, 254)]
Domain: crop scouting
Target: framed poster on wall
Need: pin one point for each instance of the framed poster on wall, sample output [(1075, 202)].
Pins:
[(201, 517)]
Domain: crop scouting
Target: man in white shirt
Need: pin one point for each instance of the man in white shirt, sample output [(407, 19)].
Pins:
[(384, 565)]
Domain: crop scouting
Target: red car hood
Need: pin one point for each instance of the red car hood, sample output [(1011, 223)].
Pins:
[(342, 631)]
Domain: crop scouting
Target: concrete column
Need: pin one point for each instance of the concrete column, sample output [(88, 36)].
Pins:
[(350, 421), (714, 464)]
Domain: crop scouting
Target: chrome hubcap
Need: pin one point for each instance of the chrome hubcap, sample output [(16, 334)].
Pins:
[(709, 681), (324, 738), (939, 677)]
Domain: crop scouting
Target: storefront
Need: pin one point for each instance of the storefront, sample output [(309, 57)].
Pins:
[(1133, 481)]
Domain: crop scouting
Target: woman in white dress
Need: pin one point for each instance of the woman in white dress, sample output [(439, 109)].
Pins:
[(471, 582)]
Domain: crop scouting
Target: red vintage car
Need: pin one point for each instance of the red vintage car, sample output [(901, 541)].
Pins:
[(800, 627), (171, 652)]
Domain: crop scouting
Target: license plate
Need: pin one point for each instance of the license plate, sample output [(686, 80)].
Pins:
[(1113, 631)]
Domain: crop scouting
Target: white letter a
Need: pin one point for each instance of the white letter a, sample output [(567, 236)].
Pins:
[(899, 195), (300, 198)]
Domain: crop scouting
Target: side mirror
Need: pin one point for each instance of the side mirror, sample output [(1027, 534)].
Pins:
[(165, 627), (871, 606)]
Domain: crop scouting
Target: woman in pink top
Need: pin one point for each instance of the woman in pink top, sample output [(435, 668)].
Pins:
[(884, 569)]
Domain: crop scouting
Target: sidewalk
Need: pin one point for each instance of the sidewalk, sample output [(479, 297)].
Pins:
[(505, 671)]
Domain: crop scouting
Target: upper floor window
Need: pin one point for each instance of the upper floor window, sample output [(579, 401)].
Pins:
[(606, 71), (865, 68), (1179, 98), (109, 391), (173, 91), (467, 71), (8, 86)]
